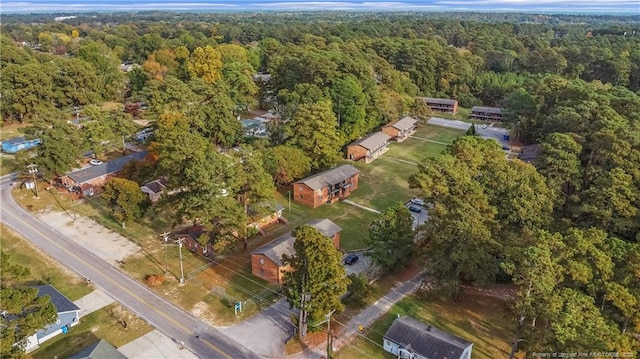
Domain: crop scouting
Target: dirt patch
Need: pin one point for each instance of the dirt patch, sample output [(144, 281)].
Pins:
[(101, 241), (201, 311)]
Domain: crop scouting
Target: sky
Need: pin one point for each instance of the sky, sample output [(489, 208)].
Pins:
[(626, 7)]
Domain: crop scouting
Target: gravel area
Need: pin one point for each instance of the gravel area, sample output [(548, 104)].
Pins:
[(103, 242)]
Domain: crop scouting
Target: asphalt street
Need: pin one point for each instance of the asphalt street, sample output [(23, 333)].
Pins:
[(172, 321)]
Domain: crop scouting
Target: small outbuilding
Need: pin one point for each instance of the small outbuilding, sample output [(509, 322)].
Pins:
[(401, 129), (529, 153), (368, 148), (154, 189), (408, 338)]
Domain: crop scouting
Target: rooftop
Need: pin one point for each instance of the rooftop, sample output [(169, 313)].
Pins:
[(330, 177), (99, 350), (529, 153), (496, 110), (106, 168), (16, 140), (62, 303), (284, 244), (424, 339), (373, 141), (441, 101), (404, 124), (156, 186)]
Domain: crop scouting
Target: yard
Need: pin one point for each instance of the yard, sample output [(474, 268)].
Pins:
[(42, 269), (481, 320), (106, 323)]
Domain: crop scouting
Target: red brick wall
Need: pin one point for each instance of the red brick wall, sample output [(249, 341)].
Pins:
[(336, 240), (356, 152), (305, 195), (391, 131), (267, 270)]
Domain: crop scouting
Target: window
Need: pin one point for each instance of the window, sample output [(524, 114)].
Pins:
[(261, 262), (300, 196), (262, 272), (320, 197)]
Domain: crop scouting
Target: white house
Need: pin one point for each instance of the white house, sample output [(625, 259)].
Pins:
[(68, 316), (408, 338)]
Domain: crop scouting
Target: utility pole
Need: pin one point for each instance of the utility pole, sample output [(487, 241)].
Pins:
[(33, 169), (289, 193), (181, 268), (165, 237), (329, 335)]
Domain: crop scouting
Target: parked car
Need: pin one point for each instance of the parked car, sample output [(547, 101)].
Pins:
[(417, 201), (415, 209), (95, 162), (351, 259), (506, 148)]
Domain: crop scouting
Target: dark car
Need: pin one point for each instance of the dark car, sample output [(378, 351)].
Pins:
[(351, 259), (415, 209)]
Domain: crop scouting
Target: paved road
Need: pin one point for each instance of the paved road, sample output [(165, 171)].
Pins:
[(167, 318)]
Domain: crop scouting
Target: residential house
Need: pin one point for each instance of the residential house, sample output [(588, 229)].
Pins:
[(266, 261), (68, 316), (99, 350), (401, 129), (443, 105), (154, 188), (529, 153), (189, 238), (90, 180), (368, 148), (486, 113), (260, 220), (326, 187), (408, 338), (17, 144)]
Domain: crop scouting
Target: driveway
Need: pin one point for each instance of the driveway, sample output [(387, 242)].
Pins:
[(266, 332)]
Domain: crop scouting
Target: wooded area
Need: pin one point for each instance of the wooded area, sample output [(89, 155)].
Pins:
[(566, 232)]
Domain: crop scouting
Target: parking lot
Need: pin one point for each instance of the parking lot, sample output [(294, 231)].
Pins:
[(418, 218), (483, 130), (361, 266)]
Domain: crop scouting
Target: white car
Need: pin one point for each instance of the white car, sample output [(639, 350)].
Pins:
[(417, 201), (95, 162)]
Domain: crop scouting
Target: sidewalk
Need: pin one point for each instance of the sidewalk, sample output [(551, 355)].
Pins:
[(365, 318)]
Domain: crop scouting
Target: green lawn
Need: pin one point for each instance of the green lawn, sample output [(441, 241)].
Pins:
[(106, 323), (42, 268), (11, 130), (8, 164), (481, 320)]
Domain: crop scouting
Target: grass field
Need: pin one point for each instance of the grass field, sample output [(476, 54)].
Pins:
[(8, 164), (478, 319), (43, 269), (106, 323), (11, 130)]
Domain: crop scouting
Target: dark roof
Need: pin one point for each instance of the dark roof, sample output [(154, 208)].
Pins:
[(156, 186), (99, 350), (529, 153), (441, 101), (496, 110), (404, 123), (284, 244), (329, 177), (62, 303), (193, 232), (425, 340), (373, 141), (106, 168)]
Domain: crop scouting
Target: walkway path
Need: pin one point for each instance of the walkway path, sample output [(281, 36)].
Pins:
[(347, 333), (361, 206), (400, 160), (432, 141)]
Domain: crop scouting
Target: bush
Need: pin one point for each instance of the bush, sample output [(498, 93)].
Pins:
[(154, 281), (359, 290)]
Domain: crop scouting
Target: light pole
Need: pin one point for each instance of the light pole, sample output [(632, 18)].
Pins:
[(289, 193), (181, 268)]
